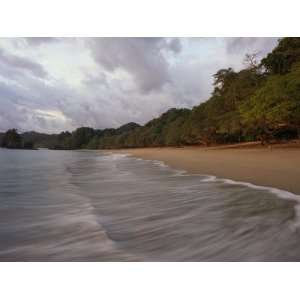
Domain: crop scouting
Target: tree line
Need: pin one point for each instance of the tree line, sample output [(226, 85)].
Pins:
[(11, 139), (260, 102)]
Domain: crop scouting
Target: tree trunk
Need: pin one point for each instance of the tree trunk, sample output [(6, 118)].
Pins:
[(298, 134)]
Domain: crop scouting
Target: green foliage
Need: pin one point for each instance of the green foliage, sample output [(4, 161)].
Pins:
[(39, 140), (12, 140), (275, 105), (81, 137), (281, 59)]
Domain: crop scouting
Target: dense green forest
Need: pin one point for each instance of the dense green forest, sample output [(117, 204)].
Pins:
[(260, 102), (11, 139)]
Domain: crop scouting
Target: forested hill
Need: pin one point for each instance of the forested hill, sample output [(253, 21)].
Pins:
[(260, 102)]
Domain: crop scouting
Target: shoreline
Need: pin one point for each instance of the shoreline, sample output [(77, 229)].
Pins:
[(278, 167)]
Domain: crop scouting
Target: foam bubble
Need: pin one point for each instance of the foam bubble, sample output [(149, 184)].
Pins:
[(160, 163), (180, 173), (209, 178)]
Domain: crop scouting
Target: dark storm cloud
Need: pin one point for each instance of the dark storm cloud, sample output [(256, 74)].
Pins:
[(175, 45), (22, 63), (143, 58)]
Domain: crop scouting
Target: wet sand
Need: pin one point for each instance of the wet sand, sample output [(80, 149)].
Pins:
[(278, 167)]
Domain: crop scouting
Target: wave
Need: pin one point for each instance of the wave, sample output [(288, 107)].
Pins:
[(211, 178), (283, 194), (275, 191)]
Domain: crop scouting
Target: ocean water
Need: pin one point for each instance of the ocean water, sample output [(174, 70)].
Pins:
[(90, 206)]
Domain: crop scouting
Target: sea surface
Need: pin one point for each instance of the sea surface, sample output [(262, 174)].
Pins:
[(92, 206)]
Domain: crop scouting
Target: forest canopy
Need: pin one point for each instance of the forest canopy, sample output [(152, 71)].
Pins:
[(11, 139)]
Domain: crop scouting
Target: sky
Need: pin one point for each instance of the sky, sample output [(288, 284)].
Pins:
[(56, 84)]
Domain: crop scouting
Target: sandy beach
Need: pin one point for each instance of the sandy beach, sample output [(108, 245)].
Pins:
[(278, 167)]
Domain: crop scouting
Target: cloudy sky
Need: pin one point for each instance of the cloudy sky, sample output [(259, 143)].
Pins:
[(55, 84)]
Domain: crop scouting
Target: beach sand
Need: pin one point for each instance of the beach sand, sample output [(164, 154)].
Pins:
[(278, 167)]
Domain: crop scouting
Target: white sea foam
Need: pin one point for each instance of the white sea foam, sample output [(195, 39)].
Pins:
[(209, 178), (160, 163), (278, 192), (180, 173), (115, 156)]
